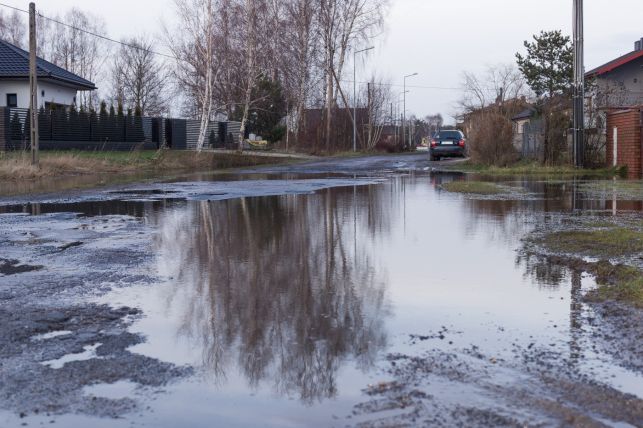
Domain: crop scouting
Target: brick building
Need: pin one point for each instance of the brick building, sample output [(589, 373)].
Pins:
[(625, 140)]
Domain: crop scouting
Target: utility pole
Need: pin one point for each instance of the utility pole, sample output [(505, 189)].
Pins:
[(355, 95), (404, 112), (33, 86), (579, 86)]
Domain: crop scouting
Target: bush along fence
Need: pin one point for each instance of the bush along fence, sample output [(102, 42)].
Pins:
[(65, 129)]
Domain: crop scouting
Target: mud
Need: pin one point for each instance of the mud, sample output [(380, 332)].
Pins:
[(538, 388)]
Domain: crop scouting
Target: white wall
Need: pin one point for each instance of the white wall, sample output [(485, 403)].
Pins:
[(53, 93)]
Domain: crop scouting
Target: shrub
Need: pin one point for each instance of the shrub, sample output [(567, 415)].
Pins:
[(490, 140)]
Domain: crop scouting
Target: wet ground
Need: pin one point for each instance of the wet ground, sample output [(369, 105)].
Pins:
[(352, 292)]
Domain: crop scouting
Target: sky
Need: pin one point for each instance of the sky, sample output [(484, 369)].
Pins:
[(436, 39)]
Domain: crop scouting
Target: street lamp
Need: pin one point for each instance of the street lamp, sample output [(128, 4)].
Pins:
[(404, 112), (355, 95)]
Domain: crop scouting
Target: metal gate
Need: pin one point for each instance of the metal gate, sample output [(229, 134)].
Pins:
[(532, 140)]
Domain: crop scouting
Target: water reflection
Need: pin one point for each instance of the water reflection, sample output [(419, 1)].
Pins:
[(280, 288)]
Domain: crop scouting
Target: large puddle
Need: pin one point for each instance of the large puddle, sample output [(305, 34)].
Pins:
[(287, 305)]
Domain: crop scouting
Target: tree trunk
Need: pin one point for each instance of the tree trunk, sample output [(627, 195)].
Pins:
[(206, 104), (329, 105), (250, 61)]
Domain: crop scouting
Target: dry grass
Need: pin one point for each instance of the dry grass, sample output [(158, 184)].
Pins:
[(17, 166)]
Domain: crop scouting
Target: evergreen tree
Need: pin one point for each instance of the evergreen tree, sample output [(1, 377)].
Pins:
[(120, 122), (548, 65), (103, 119), (73, 133), (16, 130)]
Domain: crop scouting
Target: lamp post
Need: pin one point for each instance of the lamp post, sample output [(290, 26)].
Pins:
[(404, 112), (355, 95)]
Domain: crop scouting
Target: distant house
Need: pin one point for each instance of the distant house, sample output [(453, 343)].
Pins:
[(619, 83), (522, 125), (56, 86)]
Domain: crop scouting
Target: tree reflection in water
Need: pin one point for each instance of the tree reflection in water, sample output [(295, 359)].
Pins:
[(279, 287)]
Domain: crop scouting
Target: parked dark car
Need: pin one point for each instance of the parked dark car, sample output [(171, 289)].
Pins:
[(447, 143)]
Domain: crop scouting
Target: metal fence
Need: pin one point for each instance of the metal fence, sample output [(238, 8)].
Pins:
[(69, 129)]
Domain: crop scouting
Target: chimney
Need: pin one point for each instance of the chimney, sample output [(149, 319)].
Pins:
[(638, 45)]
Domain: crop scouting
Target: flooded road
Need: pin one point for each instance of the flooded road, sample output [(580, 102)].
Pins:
[(370, 298)]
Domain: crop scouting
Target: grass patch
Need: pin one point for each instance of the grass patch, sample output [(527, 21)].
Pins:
[(621, 283), (533, 168), (613, 242), (476, 187)]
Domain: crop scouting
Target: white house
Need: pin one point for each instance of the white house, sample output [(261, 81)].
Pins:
[(56, 86)]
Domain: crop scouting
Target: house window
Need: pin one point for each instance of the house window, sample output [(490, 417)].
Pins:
[(12, 100), (42, 93)]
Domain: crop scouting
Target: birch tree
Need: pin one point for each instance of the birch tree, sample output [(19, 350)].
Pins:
[(193, 45), (250, 12)]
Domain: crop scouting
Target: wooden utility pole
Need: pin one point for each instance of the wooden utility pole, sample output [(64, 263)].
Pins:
[(33, 86), (579, 86)]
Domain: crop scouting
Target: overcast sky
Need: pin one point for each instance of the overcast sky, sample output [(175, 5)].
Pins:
[(436, 38)]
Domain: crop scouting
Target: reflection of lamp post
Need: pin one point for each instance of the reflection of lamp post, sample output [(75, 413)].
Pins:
[(404, 112), (355, 95)]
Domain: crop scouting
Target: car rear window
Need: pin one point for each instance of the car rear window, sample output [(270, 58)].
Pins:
[(449, 135)]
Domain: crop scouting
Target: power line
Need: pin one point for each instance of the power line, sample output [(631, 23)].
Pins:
[(442, 88), (92, 33), (445, 88)]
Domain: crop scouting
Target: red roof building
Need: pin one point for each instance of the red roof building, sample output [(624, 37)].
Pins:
[(619, 83)]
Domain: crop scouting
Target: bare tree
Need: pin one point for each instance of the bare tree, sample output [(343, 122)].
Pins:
[(139, 78), (377, 98), (74, 49), (343, 24), (12, 28), (496, 85), (434, 123)]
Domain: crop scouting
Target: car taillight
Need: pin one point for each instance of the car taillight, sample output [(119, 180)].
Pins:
[(434, 143), (461, 143)]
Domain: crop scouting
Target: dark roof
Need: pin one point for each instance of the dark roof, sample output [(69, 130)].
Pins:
[(605, 68), (14, 63), (525, 114)]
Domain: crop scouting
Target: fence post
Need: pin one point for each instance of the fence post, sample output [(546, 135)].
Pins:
[(3, 127)]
